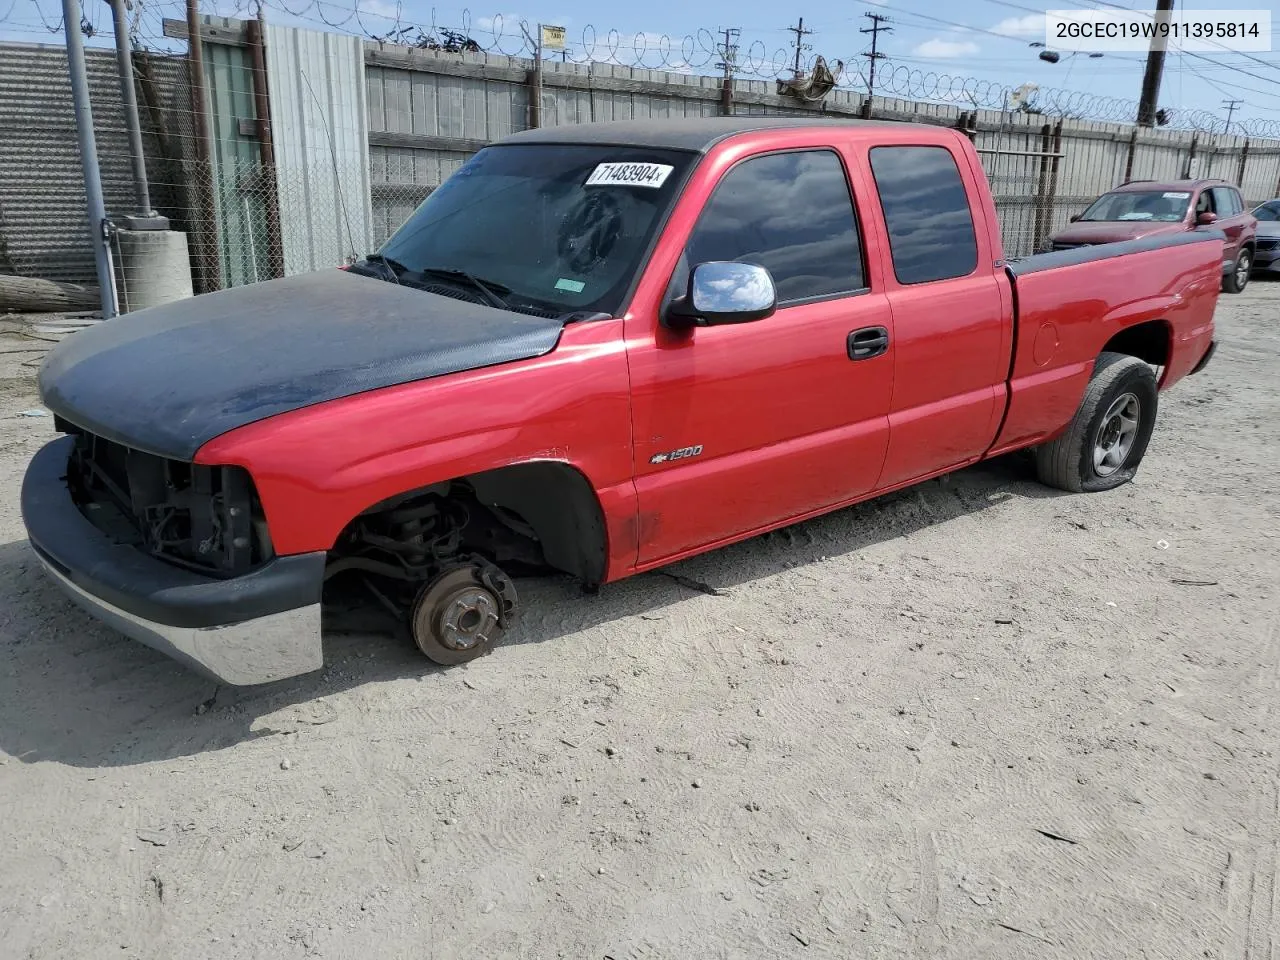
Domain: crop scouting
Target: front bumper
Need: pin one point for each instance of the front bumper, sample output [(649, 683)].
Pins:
[(251, 629)]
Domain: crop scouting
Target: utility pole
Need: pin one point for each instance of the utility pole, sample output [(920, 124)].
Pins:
[(801, 46), (1231, 109), (728, 50), (877, 27), (534, 77), (89, 157), (1155, 66)]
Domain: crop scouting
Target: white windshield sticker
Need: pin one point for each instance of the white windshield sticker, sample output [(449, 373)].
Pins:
[(651, 175), (570, 286), (1177, 196)]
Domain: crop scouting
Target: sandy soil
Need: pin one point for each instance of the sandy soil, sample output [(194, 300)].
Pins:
[(978, 719)]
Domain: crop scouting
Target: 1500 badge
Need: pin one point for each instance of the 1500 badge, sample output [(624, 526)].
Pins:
[(680, 454)]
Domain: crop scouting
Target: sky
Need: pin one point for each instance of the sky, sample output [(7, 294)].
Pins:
[(986, 39)]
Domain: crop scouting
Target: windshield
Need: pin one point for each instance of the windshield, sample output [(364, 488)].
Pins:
[(1268, 211), (1167, 206), (546, 227)]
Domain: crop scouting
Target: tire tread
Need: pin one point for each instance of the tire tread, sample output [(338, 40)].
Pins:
[(1057, 462)]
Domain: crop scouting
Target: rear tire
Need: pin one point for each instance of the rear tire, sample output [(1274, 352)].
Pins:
[(1106, 440), (1238, 278)]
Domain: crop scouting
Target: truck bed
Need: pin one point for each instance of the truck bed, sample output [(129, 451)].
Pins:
[(1069, 304)]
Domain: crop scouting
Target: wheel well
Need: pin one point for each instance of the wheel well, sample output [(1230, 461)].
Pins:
[(1150, 341), (533, 514), (558, 502)]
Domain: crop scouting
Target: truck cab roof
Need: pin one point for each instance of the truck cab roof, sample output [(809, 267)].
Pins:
[(700, 134)]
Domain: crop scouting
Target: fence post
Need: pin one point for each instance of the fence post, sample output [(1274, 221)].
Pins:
[(1042, 194), (266, 147), (206, 226), (535, 83), (1244, 158), (1128, 161), (1191, 156), (1051, 202)]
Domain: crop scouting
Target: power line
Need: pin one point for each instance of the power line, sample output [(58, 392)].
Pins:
[(944, 22), (1221, 85), (1082, 6), (1223, 46)]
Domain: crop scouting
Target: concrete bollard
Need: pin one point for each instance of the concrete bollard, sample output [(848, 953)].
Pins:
[(154, 268)]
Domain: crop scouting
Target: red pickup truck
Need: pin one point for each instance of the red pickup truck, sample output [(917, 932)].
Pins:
[(596, 349)]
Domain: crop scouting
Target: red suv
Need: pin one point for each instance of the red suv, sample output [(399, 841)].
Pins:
[(1144, 208)]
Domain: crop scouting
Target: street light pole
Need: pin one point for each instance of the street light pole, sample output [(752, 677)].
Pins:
[(95, 206)]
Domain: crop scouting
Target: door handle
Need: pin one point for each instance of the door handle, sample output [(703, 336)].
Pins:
[(868, 342)]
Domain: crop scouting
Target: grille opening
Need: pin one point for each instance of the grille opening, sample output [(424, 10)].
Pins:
[(207, 519)]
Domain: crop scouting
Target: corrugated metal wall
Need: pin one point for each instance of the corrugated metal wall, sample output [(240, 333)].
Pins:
[(320, 131), (44, 230), (1261, 173)]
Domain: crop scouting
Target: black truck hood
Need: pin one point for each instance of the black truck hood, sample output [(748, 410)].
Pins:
[(169, 379)]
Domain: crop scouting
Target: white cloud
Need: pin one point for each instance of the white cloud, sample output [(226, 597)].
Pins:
[(387, 9), (1032, 25), (938, 48), (501, 23)]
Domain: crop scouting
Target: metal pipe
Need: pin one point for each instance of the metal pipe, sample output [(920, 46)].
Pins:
[(207, 227), (1019, 153), (124, 58), (266, 147), (96, 208)]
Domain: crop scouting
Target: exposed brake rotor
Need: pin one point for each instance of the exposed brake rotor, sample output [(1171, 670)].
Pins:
[(461, 614)]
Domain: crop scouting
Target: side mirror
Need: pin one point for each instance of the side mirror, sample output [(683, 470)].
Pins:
[(724, 292), (1206, 218), (1075, 217)]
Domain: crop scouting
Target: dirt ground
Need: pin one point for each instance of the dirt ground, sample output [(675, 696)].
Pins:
[(977, 719)]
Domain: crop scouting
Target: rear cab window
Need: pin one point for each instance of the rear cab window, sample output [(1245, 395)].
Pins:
[(927, 211), (792, 213)]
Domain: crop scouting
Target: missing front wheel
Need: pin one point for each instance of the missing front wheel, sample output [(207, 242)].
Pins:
[(462, 614)]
